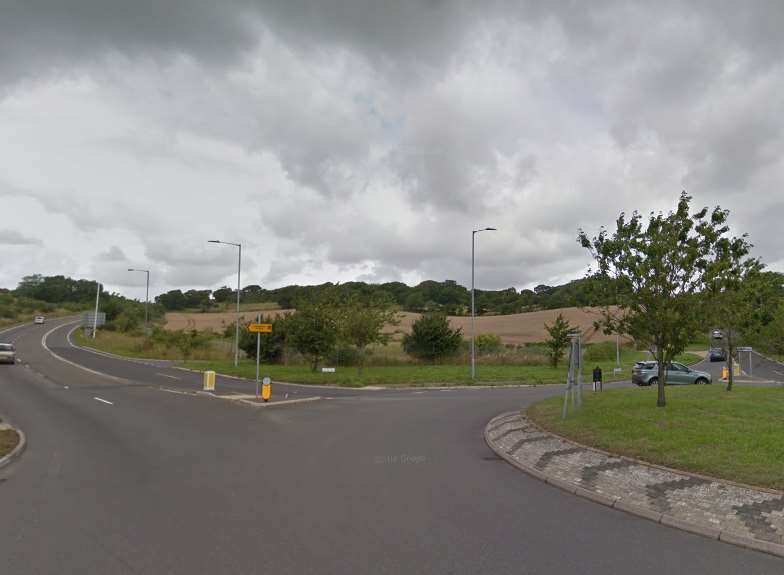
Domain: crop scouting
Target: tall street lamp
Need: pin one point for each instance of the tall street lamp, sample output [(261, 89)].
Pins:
[(146, 301), (237, 331), (473, 308)]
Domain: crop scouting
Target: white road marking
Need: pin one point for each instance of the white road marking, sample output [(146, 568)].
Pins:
[(66, 387), (69, 362), (167, 375), (102, 400)]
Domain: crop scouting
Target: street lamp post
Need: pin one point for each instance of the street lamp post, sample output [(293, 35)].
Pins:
[(473, 308), (237, 330), (146, 301)]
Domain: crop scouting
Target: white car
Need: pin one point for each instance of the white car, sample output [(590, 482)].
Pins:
[(39, 319), (7, 353)]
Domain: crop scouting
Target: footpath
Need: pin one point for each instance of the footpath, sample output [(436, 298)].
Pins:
[(722, 510)]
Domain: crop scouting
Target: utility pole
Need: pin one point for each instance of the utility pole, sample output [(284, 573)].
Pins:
[(239, 268), (146, 301), (97, 299), (473, 307)]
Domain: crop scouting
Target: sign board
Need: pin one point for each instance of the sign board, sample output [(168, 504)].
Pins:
[(88, 318), (260, 328), (327, 370), (743, 349)]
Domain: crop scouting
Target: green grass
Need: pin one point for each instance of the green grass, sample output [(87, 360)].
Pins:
[(418, 374), (130, 345), (735, 435), (8, 440)]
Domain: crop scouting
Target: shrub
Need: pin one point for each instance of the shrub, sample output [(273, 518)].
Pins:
[(432, 338), (604, 351), (488, 344), (344, 355)]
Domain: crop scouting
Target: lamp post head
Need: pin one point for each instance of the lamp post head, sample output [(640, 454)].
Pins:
[(491, 229)]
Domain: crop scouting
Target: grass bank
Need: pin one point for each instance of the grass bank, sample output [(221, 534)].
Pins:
[(8, 440), (735, 435), (131, 345), (421, 374)]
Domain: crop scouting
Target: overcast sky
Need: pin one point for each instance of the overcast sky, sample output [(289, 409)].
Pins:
[(364, 139)]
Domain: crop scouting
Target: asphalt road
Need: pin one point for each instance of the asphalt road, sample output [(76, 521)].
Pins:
[(122, 476)]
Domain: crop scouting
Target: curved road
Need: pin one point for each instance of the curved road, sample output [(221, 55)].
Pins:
[(122, 476)]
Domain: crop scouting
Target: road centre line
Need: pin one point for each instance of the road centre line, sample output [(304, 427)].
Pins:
[(102, 400), (167, 375), (69, 362)]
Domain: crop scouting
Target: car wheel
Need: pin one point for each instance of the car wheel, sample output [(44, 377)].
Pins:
[(653, 381), (700, 381)]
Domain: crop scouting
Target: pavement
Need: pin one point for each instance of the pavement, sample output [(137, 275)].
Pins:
[(128, 470), (717, 509)]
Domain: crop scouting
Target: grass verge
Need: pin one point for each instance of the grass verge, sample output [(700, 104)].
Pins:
[(8, 440), (734, 435), (419, 374)]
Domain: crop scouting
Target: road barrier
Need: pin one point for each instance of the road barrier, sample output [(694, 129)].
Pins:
[(209, 381)]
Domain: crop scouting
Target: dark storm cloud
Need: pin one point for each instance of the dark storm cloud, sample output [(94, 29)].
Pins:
[(370, 137)]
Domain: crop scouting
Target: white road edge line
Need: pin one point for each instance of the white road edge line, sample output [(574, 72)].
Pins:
[(102, 400), (68, 361), (167, 375)]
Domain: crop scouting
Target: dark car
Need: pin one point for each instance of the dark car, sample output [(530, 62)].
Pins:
[(717, 354)]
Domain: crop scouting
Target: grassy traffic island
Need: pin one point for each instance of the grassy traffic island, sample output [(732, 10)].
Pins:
[(735, 435), (387, 364), (9, 439)]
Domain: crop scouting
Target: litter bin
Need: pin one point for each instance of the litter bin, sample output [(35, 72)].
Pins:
[(597, 378)]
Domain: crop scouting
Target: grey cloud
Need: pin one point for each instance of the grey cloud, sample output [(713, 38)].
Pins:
[(15, 238)]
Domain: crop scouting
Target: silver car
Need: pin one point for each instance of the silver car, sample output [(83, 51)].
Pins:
[(647, 373), (7, 353)]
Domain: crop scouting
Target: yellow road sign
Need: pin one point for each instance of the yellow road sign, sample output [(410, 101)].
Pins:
[(260, 328)]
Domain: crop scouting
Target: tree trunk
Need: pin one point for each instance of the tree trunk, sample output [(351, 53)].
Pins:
[(729, 359), (662, 379)]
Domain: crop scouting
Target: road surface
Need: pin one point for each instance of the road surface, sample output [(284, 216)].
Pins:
[(136, 475)]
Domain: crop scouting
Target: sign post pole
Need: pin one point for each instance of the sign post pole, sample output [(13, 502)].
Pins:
[(258, 354)]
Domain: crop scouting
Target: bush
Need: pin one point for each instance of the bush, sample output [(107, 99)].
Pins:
[(488, 344), (432, 338), (344, 356), (272, 345), (604, 351)]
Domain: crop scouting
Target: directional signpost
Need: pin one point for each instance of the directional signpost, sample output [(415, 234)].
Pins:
[(747, 350), (258, 328)]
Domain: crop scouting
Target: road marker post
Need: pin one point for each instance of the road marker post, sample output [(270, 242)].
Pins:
[(266, 389), (209, 381), (258, 328)]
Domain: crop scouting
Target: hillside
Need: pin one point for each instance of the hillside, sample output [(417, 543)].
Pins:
[(516, 328)]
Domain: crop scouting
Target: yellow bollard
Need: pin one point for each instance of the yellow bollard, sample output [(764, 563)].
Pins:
[(266, 389), (725, 373), (209, 381)]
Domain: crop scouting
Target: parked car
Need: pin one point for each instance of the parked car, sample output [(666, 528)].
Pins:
[(717, 354), (716, 334), (39, 319), (7, 353), (647, 373)]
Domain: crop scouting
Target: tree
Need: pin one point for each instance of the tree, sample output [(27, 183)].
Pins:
[(660, 271), (313, 329), (559, 339), (362, 324), (272, 345), (431, 338)]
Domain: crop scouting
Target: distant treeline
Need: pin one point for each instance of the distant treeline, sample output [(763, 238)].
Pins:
[(448, 296)]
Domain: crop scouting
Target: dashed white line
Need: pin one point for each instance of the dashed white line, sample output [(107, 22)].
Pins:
[(167, 375), (102, 400)]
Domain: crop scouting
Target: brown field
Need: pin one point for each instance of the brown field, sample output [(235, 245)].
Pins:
[(215, 321), (513, 329)]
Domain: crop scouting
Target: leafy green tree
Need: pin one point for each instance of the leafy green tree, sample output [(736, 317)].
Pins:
[(313, 328), (361, 324), (172, 300), (272, 345), (432, 338), (661, 270), (558, 340)]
